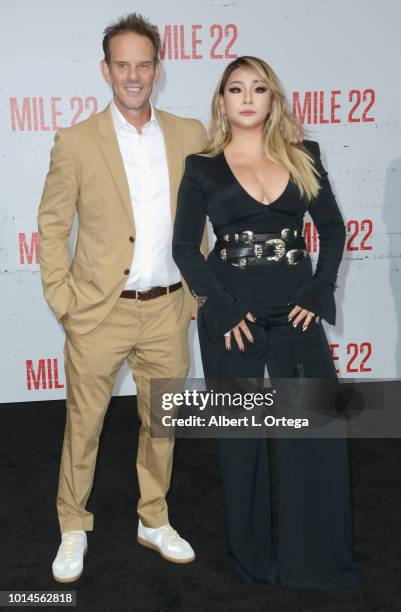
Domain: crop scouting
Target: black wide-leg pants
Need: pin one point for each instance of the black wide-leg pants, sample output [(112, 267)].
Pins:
[(314, 543)]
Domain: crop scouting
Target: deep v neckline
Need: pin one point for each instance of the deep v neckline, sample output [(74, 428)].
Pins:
[(246, 192)]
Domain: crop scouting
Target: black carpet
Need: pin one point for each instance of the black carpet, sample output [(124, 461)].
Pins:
[(121, 575)]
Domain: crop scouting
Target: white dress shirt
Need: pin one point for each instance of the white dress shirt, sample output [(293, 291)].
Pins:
[(145, 163)]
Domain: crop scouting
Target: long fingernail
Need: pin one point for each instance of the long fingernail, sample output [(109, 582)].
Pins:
[(294, 324), (305, 328)]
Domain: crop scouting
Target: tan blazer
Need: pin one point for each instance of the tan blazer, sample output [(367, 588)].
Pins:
[(87, 176)]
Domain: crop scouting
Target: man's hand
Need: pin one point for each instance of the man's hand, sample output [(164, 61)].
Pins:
[(294, 131), (301, 314)]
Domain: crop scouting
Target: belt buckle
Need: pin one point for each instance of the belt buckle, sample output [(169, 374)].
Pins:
[(246, 237), (137, 291), (286, 233), (295, 256), (241, 263), (279, 249), (258, 250)]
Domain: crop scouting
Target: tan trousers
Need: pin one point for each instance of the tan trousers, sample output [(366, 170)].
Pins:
[(153, 336)]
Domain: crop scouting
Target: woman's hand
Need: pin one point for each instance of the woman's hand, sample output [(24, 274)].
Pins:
[(242, 326), (301, 314)]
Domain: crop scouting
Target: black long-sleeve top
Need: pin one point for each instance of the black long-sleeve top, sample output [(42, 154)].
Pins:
[(226, 293)]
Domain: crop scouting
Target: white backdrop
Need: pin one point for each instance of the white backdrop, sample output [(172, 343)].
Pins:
[(339, 65)]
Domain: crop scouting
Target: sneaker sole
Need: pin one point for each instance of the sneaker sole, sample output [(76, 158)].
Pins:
[(154, 547), (74, 578)]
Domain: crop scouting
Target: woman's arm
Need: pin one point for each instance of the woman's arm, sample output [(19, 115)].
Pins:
[(219, 310), (317, 295)]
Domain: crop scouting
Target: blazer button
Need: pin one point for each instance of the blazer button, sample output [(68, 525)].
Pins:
[(126, 272), (131, 239)]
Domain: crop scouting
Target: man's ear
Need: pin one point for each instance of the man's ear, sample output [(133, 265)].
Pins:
[(104, 68)]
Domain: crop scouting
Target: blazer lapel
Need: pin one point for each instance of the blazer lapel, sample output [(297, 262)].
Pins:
[(174, 154), (109, 146)]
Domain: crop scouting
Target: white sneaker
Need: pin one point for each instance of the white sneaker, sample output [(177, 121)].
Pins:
[(166, 541), (69, 562)]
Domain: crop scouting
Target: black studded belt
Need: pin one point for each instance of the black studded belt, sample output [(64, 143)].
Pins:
[(246, 248)]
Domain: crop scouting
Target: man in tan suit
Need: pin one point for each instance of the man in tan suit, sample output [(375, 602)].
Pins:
[(121, 297)]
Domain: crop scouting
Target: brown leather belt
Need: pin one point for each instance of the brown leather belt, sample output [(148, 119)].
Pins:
[(151, 293)]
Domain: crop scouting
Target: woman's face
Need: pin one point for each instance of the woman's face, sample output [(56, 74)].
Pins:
[(246, 101)]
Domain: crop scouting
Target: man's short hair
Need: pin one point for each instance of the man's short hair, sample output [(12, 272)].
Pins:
[(133, 22)]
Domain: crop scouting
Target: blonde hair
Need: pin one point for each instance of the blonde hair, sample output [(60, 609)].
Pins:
[(295, 157)]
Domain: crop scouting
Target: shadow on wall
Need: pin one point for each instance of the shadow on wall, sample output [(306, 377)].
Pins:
[(340, 292), (391, 208)]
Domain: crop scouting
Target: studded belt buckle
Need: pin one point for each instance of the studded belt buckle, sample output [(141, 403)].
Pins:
[(279, 249), (246, 237), (295, 256), (258, 250), (240, 263)]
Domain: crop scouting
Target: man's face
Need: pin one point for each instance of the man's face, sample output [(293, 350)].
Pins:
[(132, 71)]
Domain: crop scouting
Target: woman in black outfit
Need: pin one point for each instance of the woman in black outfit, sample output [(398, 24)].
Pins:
[(261, 304)]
